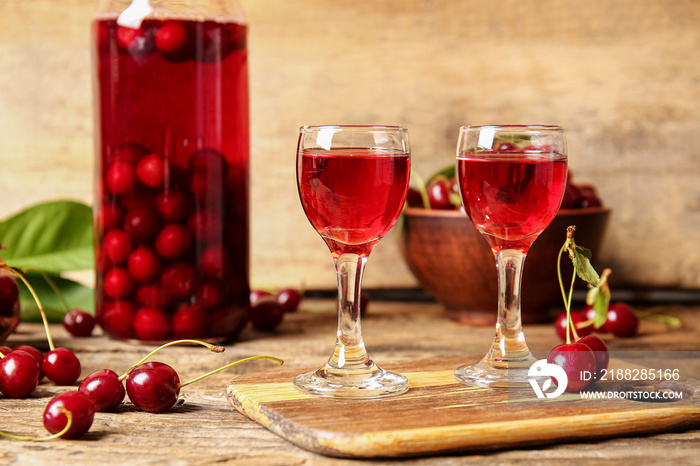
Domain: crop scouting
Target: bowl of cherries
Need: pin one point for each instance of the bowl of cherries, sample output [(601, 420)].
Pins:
[(452, 261)]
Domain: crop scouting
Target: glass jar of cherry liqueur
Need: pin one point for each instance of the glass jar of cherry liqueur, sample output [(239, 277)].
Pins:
[(171, 171)]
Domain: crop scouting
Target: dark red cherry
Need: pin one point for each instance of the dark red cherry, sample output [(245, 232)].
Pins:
[(61, 366), (173, 41), (590, 196), (153, 387), (173, 205), (179, 280), (622, 320), (600, 351), (151, 325), (266, 314), (129, 152), (82, 414), (576, 318), (104, 389), (136, 42), (5, 350), (206, 226), (110, 216), (117, 318), (214, 262), (19, 374), (151, 295), (190, 321), (207, 188), (208, 160), (142, 223), (117, 246), (414, 198), (255, 295), (121, 178), (117, 283), (173, 241), (439, 195), (143, 265), (9, 295), (78, 323), (578, 361), (289, 298), (151, 170), (35, 353), (210, 294), (572, 197)]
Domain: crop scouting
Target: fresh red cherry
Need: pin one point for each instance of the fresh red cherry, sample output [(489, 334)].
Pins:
[(622, 320), (61, 366), (142, 223), (208, 160), (104, 389), (600, 351), (143, 265), (590, 196), (153, 387), (117, 318), (577, 360), (266, 314), (117, 283), (414, 198), (207, 189), (151, 170), (35, 353), (179, 280), (190, 321), (82, 414), (9, 295), (214, 262), (289, 299), (173, 205), (576, 318), (5, 350), (572, 197), (173, 41), (151, 325), (589, 314), (255, 295), (210, 294), (117, 246), (439, 195), (121, 178), (19, 374), (173, 241), (78, 323)]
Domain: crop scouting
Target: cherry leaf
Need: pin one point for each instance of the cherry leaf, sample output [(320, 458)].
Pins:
[(582, 264)]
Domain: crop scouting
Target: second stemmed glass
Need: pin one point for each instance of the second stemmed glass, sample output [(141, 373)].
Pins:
[(352, 183), (511, 179)]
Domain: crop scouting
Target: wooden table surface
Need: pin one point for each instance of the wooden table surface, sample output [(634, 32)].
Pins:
[(205, 429)]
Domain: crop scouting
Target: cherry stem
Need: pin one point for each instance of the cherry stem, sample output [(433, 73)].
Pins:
[(421, 189), (53, 286), (213, 348), (69, 421), (277, 360), (19, 275)]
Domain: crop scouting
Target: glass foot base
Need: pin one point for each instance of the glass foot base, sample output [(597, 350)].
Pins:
[(509, 373), (374, 382)]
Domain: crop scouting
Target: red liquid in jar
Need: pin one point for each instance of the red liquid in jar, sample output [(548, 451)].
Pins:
[(511, 198), (352, 197), (172, 179)]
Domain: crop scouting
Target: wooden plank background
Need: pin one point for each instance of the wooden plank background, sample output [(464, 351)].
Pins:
[(622, 76)]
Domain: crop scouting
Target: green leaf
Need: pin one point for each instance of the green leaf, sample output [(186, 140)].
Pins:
[(601, 309), (582, 264), (76, 294), (54, 237)]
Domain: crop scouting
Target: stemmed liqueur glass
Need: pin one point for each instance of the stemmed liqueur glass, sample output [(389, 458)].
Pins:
[(511, 180), (352, 183)]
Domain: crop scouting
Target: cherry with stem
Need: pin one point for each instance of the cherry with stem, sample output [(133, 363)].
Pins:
[(61, 433)]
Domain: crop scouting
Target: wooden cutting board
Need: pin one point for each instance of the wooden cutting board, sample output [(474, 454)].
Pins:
[(439, 415)]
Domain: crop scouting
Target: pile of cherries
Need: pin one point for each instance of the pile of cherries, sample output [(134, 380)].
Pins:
[(152, 386), (442, 193), (172, 247), (622, 321)]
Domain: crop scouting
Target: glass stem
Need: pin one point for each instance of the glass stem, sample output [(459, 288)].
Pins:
[(510, 340), (350, 350)]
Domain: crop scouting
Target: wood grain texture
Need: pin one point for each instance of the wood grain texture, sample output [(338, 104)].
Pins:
[(439, 415)]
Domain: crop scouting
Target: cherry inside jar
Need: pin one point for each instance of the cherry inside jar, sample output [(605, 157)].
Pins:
[(172, 167)]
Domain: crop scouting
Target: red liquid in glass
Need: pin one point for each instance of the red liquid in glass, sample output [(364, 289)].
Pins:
[(511, 198), (172, 173), (352, 197)]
